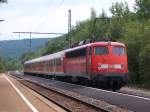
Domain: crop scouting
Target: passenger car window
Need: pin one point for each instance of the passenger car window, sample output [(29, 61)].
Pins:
[(100, 50), (118, 51), (76, 53)]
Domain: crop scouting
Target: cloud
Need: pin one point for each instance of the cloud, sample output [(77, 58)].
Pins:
[(47, 15)]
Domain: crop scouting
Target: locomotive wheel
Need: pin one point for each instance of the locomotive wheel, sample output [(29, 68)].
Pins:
[(116, 86)]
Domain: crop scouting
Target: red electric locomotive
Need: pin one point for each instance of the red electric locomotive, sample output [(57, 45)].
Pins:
[(103, 64)]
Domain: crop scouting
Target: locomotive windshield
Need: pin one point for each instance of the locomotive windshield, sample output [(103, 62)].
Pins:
[(100, 50), (118, 50)]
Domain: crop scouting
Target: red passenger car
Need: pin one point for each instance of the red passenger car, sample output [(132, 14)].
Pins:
[(103, 64)]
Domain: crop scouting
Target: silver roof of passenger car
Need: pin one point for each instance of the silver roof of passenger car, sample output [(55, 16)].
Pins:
[(47, 57)]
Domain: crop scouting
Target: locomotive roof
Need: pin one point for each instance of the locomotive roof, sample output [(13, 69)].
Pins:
[(62, 53), (96, 44)]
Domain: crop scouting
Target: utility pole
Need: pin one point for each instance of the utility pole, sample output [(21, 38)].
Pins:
[(30, 39), (69, 27)]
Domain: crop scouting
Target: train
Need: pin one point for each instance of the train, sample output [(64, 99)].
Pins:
[(103, 64)]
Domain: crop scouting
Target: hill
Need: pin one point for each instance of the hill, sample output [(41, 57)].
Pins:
[(15, 48)]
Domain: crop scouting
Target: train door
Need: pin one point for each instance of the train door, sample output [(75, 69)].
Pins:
[(88, 60), (118, 59), (100, 59), (54, 66)]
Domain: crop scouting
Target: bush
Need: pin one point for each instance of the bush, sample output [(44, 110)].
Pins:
[(144, 61)]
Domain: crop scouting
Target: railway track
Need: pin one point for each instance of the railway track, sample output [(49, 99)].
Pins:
[(129, 92), (64, 99), (70, 104), (127, 101)]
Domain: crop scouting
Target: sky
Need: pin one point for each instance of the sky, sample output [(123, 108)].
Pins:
[(47, 15)]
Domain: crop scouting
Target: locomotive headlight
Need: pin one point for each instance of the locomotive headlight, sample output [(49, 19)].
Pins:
[(118, 66), (110, 66), (103, 66)]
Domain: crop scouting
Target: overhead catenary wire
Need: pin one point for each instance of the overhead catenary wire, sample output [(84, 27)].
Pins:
[(49, 15), (37, 33)]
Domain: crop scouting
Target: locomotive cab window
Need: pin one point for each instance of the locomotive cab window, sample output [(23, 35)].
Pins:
[(100, 50), (118, 50)]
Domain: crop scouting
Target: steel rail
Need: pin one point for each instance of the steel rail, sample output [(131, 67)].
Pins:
[(71, 97)]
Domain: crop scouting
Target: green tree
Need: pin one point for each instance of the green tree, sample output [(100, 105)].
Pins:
[(144, 60), (143, 8), (2, 67), (13, 64), (120, 10), (28, 56), (57, 45), (120, 17)]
